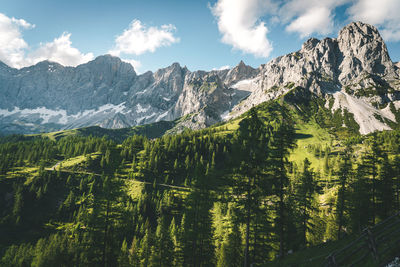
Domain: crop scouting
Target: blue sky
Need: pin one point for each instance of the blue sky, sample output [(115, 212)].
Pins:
[(200, 34)]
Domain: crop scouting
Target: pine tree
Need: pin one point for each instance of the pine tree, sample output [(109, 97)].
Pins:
[(396, 174), (250, 179), (280, 144), (162, 254), (123, 258), (307, 187), (197, 231), (370, 162), (385, 192), (146, 247), (344, 174), (360, 201)]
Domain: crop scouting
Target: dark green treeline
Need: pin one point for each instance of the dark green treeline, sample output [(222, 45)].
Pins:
[(200, 198)]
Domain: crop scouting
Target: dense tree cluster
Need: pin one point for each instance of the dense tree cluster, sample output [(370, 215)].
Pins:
[(200, 198)]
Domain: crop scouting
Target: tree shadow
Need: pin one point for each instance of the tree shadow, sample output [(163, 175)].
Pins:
[(303, 136)]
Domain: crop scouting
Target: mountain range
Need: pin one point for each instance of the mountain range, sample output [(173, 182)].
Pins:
[(352, 72)]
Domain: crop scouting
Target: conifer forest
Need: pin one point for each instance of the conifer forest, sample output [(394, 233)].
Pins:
[(252, 191)]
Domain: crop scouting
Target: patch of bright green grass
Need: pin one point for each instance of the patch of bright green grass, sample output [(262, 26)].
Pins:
[(22, 171), (57, 135), (134, 189), (228, 127), (71, 162), (309, 134)]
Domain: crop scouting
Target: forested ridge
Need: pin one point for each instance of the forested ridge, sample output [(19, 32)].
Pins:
[(231, 195)]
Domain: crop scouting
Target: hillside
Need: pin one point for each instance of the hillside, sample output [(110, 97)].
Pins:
[(74, 197), (153, 130)]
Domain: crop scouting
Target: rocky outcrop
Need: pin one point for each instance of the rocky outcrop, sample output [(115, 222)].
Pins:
[(107, 92), (354, 70), (356, 63)]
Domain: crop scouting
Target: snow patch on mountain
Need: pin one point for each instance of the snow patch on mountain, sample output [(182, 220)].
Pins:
[(163, 115), (144, 118), (141, 109), (45, 114), (225, 115), (60, 116), (246, 85)]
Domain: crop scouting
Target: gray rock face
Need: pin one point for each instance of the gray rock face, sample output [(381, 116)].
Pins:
[(356, 63), (108, 92), (354, 69), (53, 86)]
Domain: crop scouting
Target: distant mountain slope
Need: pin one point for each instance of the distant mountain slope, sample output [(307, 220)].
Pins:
[(152, 130), (352, 72), (107, 92)]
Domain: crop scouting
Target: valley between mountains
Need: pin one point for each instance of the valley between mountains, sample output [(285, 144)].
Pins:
[(293, 163)]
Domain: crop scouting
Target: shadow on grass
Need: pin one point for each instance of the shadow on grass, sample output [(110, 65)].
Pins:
[(303, 136)]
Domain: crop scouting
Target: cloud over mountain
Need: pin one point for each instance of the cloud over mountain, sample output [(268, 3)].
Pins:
[(139, 39), (240, 25), (14, 49)]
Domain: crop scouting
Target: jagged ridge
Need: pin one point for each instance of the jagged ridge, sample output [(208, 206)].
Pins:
[(353, 70)]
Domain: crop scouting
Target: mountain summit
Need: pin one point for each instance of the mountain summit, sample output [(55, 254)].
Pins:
[(352, 72)]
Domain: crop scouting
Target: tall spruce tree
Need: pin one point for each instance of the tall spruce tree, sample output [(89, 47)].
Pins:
[(197, 233), (370, 162), (281, 142), (306, 189), (250, 179), (396, 174), (385, 189), (344, 174)]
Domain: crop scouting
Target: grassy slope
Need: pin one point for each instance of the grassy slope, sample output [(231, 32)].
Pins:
[(152, 130), (308, 133)]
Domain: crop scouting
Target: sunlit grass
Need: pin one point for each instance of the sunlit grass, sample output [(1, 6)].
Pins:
[(56, 135), (310, 134)]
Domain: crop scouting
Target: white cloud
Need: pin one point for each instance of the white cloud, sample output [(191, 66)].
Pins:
[(307, 17), (13, 48), (22, 23), (315, 20), (222, 68), (139, 38), (383, 14), (12, 45), (240, 25), (60, 50)]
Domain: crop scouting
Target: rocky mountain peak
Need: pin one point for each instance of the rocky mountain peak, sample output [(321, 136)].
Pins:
[(173, 70), (45, 65), (363, 51), (108, 67), (353, 69), (358, 30), (241, 64), (107, 59), (240, 72), (310, 44)]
